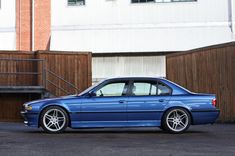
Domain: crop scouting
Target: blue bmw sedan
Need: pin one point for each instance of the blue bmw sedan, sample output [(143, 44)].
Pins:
[(124, 102)]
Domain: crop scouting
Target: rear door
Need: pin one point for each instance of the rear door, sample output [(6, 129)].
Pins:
[(146, 102)]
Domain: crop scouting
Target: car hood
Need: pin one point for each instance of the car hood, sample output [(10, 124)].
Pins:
[(52, 99)]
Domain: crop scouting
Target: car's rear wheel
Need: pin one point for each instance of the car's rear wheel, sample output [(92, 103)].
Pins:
[(54, 119), (176, 120)]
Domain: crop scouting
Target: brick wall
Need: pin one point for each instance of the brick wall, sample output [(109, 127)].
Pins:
[(42, 24), (24, 23)]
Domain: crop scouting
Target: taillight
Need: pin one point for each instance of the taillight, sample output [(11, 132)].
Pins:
[(214, 102)]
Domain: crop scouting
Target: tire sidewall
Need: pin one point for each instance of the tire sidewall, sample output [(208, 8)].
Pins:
[(54, 107)]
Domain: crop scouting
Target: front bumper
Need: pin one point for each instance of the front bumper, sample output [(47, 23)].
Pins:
[(30, 118)]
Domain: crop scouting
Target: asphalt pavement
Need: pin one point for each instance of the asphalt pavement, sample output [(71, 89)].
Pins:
[(211, 140)]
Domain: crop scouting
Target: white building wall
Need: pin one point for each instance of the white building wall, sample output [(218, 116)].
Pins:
[(111, 26), (7, 25), (119, 26)]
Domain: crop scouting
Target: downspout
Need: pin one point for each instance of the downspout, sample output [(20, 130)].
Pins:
[(32, 41), (19, 20), (232, 17)]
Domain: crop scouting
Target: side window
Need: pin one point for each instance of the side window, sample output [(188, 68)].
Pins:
[(143, 88), (163, 89), (142, 1), (76, 2), (113, 89)]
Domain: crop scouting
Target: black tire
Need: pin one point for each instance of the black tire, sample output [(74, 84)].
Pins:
[(52, 124), (162, 128), (171, 126)]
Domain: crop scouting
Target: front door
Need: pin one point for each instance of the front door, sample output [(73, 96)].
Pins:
[(107, 107), (146, 103)]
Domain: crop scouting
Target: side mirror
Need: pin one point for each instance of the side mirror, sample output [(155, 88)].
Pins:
[(91, 94)]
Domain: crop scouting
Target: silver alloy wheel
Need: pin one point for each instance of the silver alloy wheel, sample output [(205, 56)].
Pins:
[(54, 120), (177, 120)]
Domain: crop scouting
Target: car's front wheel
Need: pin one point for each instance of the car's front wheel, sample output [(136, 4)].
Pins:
[(176, 120), (54, 119)]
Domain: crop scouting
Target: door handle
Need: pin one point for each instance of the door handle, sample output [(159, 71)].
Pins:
[(122, 101), (161, 100)]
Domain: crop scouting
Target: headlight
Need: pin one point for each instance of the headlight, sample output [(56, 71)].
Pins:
[(28, 107)]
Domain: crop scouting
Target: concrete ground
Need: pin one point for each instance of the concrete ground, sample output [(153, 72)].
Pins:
[(218, 139)]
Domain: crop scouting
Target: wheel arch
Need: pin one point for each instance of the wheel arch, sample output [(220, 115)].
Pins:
[(175, 107), (57, 105)]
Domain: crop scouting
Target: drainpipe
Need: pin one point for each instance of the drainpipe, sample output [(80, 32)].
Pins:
[(19, 20), (232, 16), (33, 5)]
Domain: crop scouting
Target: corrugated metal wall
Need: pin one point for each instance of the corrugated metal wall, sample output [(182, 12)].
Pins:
[(207, 70), (106, 67)]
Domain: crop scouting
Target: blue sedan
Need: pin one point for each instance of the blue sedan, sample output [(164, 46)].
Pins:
[(124, 102)]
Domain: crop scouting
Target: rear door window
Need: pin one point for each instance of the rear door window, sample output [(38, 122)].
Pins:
[(149, 89), (143, 88)]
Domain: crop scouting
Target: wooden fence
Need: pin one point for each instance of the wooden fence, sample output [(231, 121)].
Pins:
[(72, 67), (9, 66), (62, 68), (208, 70)]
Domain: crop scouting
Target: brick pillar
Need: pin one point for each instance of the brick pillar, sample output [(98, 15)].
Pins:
[(33, 33), (23, 25), (42, 24)]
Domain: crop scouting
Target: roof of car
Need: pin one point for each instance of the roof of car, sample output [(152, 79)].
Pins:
[(135, 78)]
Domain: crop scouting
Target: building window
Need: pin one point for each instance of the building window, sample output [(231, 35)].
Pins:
[(160, 1), (166, 1), (76, 2), (142, 1)]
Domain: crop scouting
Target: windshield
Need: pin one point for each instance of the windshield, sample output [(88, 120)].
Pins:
[(90, 88)]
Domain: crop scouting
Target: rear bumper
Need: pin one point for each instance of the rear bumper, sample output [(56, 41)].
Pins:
[(30, 119), (205, 116)]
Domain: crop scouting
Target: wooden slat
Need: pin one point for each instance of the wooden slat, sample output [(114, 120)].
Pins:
[(208, 70), (11, 105), (74, 67)]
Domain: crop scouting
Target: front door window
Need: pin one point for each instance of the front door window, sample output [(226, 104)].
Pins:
[(112, 89)]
